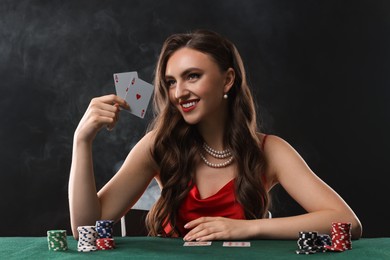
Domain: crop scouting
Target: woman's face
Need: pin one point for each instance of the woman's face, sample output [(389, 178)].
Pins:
[(197, 85)]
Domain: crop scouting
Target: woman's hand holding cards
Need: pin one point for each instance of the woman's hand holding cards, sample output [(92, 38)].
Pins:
[(102, 112)]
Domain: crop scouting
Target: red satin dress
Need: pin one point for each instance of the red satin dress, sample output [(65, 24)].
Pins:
[(221, 204)]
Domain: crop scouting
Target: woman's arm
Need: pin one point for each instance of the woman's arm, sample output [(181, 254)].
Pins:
[(130, 182), (85, 204), (285, 166), (322, 203)]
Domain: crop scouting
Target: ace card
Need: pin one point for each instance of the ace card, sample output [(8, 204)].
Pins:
[(138, 96), (236, 244), (194, 243), (123, 81)]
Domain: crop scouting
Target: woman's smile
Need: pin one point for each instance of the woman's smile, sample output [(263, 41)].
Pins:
[(189, 105)]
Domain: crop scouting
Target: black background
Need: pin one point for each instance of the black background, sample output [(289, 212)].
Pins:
[(319, 72)]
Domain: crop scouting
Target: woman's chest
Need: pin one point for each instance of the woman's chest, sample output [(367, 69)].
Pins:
[(210, 181)]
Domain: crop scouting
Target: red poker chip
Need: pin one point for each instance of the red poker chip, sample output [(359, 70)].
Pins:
[(338, 241), (335, 249), (105, 243), (341, 237)]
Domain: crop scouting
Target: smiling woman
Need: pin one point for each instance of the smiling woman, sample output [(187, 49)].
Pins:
[(204, 149)]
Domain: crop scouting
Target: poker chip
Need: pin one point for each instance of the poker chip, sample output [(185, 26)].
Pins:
[(86, 248), (98, 237), (87, 239), (341, 237), (104, 228), (305, 252), (311, 242), (323, 240), (57, 240), (340, 240), (307, 243), (105, 243), (308, 234)]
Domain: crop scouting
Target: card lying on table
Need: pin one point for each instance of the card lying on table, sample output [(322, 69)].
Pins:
[(202, 243), (236, 244), (134, 90)]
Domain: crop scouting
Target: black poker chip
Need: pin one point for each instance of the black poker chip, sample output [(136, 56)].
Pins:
[(305, 252)]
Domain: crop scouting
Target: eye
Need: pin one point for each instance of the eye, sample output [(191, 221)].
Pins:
[(193, 76), (170, 82)]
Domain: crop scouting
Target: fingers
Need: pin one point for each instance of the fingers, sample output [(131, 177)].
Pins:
[(202, 233), (197, 221), (111, 100), (100, 118), (110, 103), (209, 237), (201, 229), (102, 112), (115, 118), (216, 228)]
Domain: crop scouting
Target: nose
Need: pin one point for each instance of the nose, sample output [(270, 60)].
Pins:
[(181, 91)]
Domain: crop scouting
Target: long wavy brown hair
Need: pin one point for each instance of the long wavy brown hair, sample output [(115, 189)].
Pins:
[(177, 144)]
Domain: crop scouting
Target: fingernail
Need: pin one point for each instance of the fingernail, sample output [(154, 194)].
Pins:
[(186, 226)]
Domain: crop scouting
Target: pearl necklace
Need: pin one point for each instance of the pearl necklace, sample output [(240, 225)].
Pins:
[(218, 155)]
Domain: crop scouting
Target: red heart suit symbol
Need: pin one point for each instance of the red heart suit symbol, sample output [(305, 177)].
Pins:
[(138, 96)]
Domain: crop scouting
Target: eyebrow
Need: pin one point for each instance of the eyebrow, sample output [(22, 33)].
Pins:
[(185, 72)]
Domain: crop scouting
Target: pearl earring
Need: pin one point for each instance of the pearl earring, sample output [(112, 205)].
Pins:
[(225, 96)]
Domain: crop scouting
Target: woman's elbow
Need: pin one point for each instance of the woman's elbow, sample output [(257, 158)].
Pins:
[(75, 233), (357, 229)]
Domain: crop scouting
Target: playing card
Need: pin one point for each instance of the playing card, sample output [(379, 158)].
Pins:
[(203, 243), (122, 82), (138, 96), (236, 244)]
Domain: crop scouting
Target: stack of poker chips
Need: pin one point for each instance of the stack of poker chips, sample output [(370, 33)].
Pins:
[(104, 229), (323, 240), (105, 243), (341, 237), (56, 240), (87, 238), (307, 243)]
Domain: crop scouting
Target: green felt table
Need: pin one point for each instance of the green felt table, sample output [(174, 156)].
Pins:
[(169, 248)]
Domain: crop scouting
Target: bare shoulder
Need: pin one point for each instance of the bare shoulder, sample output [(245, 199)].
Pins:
[(275, 146), (280, 155)]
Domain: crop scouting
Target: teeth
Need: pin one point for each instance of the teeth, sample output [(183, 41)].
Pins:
[(187, 105)]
